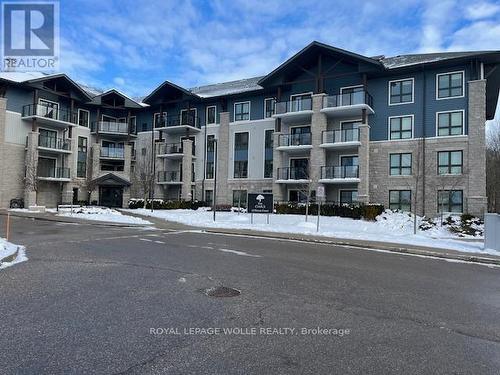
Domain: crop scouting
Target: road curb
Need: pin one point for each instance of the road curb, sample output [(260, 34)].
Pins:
[(391, 247), (73, 220)]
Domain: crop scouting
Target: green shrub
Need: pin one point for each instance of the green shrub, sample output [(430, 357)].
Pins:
[(353, 211), (160, 204)]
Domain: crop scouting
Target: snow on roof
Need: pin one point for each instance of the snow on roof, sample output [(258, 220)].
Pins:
[(19, 77), (227, 88), (423, 58)]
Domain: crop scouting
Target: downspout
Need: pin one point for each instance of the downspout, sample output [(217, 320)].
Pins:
[(424, 134)]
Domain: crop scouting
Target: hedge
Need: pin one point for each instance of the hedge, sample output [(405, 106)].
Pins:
[(353, 211), (159, 204)]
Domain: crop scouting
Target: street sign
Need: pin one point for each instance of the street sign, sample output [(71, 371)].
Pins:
[(320, 192), (260, 203)]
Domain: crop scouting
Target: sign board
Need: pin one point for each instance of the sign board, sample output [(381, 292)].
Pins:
[(320, 192), (260, 203)]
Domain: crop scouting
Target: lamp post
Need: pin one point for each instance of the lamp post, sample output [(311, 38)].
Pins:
[(214, 203)]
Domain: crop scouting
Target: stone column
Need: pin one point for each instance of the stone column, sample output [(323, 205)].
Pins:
[(278, 189), (187, 169), (476, 199), (318, 125), (364, 164), (127, 153), (223, 160), (31, 169)]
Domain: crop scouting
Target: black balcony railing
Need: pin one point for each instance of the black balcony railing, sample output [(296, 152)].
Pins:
[(293, 173), (340, 136), (110, 127), (54, 143), (297, 105), (348, 99), (51, 172), (50, 112), (112, 152), (169, 148), (345, 171), (169, 176), (177, 120), (302, 139)]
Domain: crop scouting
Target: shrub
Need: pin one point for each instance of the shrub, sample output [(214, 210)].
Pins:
[(353, 211), (160, 204)]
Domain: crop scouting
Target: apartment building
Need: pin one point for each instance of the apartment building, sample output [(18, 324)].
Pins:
[(405, 131)]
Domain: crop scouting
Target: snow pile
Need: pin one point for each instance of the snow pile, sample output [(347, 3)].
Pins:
[(100, 214), (8, 249), (393, 227)]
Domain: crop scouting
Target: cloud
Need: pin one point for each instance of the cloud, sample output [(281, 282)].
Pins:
[(481, 10)]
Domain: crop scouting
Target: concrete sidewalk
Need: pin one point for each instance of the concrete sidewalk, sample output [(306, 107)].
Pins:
[(375, 245)]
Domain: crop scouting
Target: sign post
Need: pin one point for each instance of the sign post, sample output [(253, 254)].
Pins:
[(320, 196), (260, 203)]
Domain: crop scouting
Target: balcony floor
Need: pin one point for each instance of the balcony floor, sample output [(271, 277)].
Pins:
[(294, 117), (178, 129), (54, 179), (340, 181), (47, 121), (348, 110), (340, 145), (297, 182), (293, 149), (53, 150)]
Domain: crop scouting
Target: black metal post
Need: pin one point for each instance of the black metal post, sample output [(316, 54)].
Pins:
[(214, 203)]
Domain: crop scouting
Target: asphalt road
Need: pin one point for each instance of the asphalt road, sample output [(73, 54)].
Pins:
[(104, 300)]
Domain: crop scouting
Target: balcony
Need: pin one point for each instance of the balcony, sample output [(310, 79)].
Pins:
[(112, 153), (178, 124), (292, 175), (48, 115), (340, 138), (171, 150), (348, 105), (341, 174), (297, 110), (294, 142), (169, 177), (53, 174), (117, 129), (52, 144)]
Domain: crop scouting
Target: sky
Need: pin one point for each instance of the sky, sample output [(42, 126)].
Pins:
[(134, 45)]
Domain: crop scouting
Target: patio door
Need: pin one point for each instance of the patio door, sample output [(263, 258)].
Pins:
[(349, 166)]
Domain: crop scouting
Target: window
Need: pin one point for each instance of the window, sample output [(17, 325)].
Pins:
[(352, 95), (47, 138), (349, 167), (268, 154), (269, 107), (348, 196), (49, 109), (242, 111), (209, 197), (450, 123), (400, 164), (188, 117), (297, 196), (160, 122), (401, 91), (299, 169), (401, 127), (400, 200), (239, 198), (211, 115), (83, 117), (46, 167), (133, 124), (81, 165), (450, 201), (209, 171), (449, 85), (449, 162), (300, 102), (241, 155)]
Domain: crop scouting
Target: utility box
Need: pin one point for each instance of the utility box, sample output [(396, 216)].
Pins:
[(492, 231)]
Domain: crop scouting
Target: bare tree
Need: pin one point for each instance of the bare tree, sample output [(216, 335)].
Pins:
[(305, 187), (493, 166), (143, 175)]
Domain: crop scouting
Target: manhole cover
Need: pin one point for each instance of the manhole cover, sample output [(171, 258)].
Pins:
[(222, 291)]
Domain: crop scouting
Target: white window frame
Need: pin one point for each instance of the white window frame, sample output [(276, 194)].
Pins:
[(398, 152), (401, 139), (206, 115), (265, 100), (309, 93), (412, 79), (450, 111), (249, 110), (53, 102), (248, 155), (48, 157), (206, 154), (186, 110), (78, 120), (154, 118), (446, 73), (341, 190)]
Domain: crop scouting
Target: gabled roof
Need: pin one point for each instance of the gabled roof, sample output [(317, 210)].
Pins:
[(323, 47), (166, 86), (401, 61), (63, 76), (228, 88), (111, 179), (128, 102)]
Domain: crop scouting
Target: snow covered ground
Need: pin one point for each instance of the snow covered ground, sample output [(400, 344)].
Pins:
[(392, 227), (7, 249), (99, 214)]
